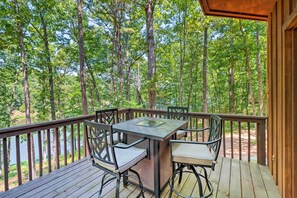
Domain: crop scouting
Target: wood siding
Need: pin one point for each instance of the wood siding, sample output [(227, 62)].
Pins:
[(282, 58)]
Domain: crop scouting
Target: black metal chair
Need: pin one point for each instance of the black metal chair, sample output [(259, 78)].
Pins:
[(178, 113), (193, 154), (115, 159), (109, 116)]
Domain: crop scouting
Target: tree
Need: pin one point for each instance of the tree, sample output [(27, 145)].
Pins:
[(26, 84), (81, 58), (149, 13), (205, 69), (247, 62), (259, 69)]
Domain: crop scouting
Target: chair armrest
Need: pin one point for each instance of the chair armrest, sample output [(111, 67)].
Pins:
[(193, 142), (194, 130), (130, 145)]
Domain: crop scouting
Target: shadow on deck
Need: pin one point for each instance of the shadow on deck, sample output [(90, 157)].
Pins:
[(232, 178)]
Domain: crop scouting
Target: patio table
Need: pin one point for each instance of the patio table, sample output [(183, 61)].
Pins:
[(155, 170)]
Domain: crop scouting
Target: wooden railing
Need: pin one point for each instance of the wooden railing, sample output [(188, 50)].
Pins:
[(58, 143), (244, 137)]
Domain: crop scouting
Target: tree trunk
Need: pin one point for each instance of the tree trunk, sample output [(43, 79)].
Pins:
[(231, 88), (112, 87), (128, 70), (138, 89), (247, 62), (191, 86), (90, 70), (260, 81), (182, 55), (59, 103), (50, 67), (118, 39), (231, 79), (181, 63), (149, 12), (81, 58), (26, 83), (51, 83), (205, 69)]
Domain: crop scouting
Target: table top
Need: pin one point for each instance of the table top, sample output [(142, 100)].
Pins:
[(153, 128)]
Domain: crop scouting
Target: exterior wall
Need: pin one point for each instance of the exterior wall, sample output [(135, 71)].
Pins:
[(282, 96)]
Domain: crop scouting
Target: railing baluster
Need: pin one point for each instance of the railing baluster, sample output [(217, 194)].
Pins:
[(18, 159), (239, 139), (29, 156), (4, 146), (57, 148), (65, 145), (231, 130), (190, 128), (86, 150), (224, 138), (78, 139), (249, 141), (72, 143), (40, 153), (196, 120), (203, 124), (49, 155)]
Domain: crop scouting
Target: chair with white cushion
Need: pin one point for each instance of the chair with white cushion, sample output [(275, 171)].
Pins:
[(115, 159), (193, 154), (178, 113)]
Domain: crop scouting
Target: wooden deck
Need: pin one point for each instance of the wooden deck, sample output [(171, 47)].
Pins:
[(232, 178)]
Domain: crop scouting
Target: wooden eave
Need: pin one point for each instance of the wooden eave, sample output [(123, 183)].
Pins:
[(242, 9)]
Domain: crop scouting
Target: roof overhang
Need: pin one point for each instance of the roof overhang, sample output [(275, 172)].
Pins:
[(243, 9)]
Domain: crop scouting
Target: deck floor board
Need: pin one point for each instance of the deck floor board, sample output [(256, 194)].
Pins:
[(232, 178)]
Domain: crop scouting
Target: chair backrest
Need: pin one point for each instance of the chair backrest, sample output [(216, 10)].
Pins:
[(100, 148), (178, 113), (215, 133), (107, 116)]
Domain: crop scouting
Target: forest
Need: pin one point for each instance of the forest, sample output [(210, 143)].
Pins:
[(61, 59)]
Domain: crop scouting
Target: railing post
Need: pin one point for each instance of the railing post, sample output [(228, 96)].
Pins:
[(129, 115), (261, 142), (86, 148)]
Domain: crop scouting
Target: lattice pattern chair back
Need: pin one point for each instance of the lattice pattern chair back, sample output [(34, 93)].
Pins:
[(107, 116), (215, 134), (178, 113), (100, 143)]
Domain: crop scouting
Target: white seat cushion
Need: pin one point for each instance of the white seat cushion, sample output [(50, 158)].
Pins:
[(180, 134), (196, 154), (126, 158), (115, 137)]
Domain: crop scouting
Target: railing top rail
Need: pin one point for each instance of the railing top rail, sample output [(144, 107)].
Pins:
[(227, 117), (23, 129)]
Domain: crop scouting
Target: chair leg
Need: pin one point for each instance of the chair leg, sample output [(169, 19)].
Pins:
[(118, 188), (180, 174), (198, 180), (125, 179), (139, 183), (206, 178), (172, 180), (102, 184)]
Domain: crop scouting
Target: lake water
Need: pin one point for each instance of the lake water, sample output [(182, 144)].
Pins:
[(24, 148)]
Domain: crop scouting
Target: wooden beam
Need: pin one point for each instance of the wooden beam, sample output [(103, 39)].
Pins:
[(244, 9)]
